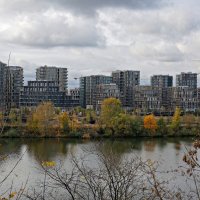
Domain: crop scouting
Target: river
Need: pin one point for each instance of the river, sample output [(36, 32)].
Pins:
[(168, 151)]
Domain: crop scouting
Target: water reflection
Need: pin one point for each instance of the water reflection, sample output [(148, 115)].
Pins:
[(167, 150), (49, 149), (52, 149)]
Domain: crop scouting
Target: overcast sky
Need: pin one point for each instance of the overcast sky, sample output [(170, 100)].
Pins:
[(99, 36)]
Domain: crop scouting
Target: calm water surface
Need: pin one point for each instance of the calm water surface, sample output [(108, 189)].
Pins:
[(168, 151)]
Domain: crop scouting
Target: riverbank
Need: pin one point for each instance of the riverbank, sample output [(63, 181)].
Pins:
[(90, 134), (112, 122)]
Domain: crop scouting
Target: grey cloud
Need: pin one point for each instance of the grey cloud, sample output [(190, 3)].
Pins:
[(78, 6), (158, 50), (96, 37), (51, 29), (125, 27)]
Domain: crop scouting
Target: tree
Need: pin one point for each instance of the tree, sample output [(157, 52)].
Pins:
[(137, 125), (123, 124), (90, 116), (150, 124), (13, 117), (74, 123), (64, 122), (41, 119), (162, 126), (1, 119), (110, 109), (175, 124)]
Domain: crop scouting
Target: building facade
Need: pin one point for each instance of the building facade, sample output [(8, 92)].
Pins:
[(104, 91), (17, 82), (162, 81), (42, 91), (4, 78), (186, 79), (75, 93), (186, 98), (88, 86), (60, 75), (149, 99), (126, 81)]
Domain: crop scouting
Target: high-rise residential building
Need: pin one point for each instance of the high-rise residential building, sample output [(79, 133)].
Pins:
[(104, 91), (187, 79), (147, 98), (162, 81), (88, 86), (126, 81), (152, 99), (4, 78), (42, 91), (47, 73), (17, 82), (186, 98)]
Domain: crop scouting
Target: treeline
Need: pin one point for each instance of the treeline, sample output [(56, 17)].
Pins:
[(47, 121)]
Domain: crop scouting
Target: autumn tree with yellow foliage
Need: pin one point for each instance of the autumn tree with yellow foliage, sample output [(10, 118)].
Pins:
[(110, 109), (176, 120), (150, 124), (41, 119), (64, 122), (74, 123)]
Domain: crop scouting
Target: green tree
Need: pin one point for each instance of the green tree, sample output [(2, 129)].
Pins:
[(162, 126), (137, 125), (91, 116), (123, 124)]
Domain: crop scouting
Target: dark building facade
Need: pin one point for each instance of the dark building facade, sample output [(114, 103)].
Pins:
[(152, 99), (186, 79), (75, 93), (41, 91), (17, 82), (126, 81), (186, 98), (4, 90), (88, 86), (162, 81)]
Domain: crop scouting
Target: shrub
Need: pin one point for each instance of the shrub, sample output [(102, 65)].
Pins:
[(12, 133)]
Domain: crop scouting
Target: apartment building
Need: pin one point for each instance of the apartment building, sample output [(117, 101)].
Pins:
[(162, 81), (88, 86), (126, 81), (17, 82), (104, 91), (42, 91), (4, 78), (186, 98), (186, 79), (51, 73)]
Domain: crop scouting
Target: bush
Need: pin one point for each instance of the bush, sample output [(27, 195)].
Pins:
[(12, 133)]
